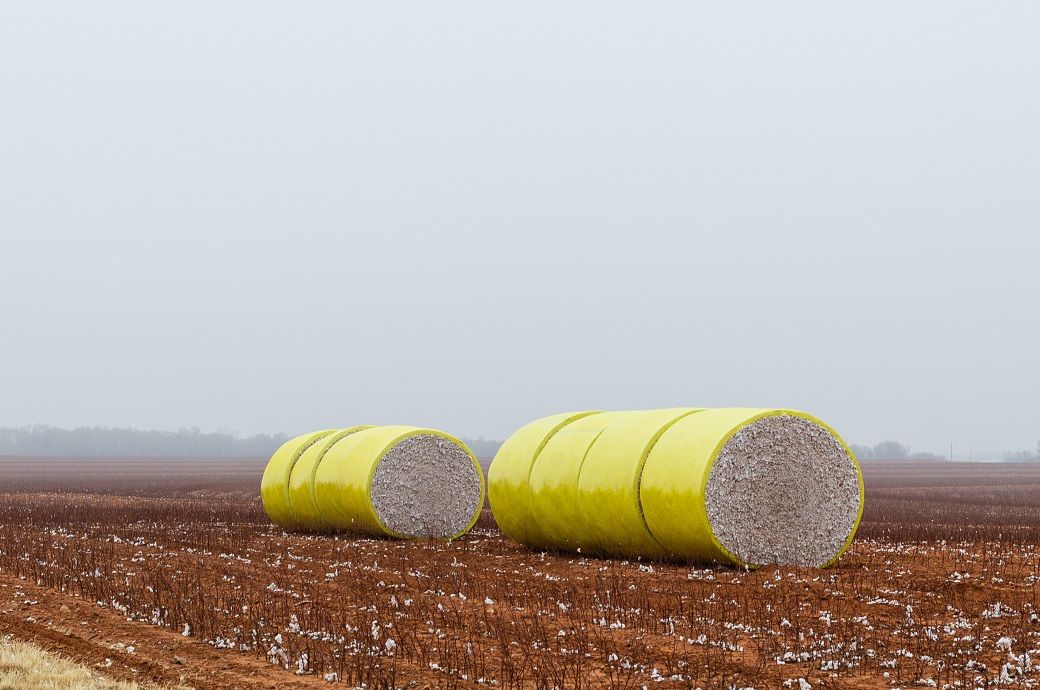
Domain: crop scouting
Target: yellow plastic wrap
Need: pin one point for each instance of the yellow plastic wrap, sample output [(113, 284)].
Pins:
[(608, 486), (274, 487), (675, 476), (555, 504), (301, 481), (343, 480), (510, 474)]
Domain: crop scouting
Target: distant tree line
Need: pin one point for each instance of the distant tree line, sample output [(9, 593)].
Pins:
[(1024, 455), (891, 450), (100, 441)]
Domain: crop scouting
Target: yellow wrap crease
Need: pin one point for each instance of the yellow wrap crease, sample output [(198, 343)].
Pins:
[(608, 487), (301, 481), (555, 505), (274, 486), (510, 474)]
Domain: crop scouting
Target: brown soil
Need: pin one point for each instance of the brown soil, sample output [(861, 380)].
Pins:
[(100, 638)]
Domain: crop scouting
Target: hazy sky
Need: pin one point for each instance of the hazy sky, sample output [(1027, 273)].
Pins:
[(282, 217)]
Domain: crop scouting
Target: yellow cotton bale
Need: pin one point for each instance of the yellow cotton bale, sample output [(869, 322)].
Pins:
[(745, 486), (752, 486), (274, 486), (303, 504), (399, 481)]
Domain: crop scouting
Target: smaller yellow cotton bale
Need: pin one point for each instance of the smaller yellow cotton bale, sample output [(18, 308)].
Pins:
[(399, 481)]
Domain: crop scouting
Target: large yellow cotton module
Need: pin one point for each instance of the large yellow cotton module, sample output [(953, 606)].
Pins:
[(742, 486), (395, 481)]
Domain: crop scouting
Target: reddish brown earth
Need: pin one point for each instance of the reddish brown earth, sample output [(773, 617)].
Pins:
[(100, 555), (125, 650)]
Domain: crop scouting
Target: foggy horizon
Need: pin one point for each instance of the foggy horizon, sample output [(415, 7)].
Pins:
[(262, 443), (276, 219), (99, 441)]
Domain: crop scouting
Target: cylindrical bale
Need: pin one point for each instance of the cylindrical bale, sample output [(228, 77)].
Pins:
[(274, 487), (510, 474), (752, 487), (554, 483), (608, 486), (400, 481), (301, 481)]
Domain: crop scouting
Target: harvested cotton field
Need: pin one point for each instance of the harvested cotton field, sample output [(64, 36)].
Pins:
[(177, 560)]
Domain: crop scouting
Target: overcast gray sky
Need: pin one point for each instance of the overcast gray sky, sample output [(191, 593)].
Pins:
[(281, 217)]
